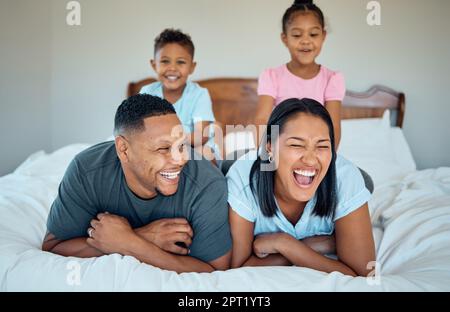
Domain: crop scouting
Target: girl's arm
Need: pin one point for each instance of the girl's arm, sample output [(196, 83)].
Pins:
[(263, 111), (354, 244), (197, 138), (242, 235), (334, 109)]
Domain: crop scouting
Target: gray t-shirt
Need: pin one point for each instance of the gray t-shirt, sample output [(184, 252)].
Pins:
[(94, 182)]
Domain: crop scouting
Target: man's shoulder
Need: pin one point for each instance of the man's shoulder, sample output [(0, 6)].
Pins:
[(202, 174), (97, 157)]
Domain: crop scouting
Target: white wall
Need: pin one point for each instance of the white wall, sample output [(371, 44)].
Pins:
[(25, 61), (92, 64)]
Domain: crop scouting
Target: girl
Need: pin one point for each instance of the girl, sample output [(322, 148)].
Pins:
[(303, 34), (310, 191)]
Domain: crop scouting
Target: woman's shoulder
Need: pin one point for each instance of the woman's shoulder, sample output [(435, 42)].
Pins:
[(240, 195), (346, 170), (351, 189), (239, 172)]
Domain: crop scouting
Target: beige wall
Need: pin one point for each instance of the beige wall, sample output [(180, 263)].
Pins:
[(91, 64), (25, 61)]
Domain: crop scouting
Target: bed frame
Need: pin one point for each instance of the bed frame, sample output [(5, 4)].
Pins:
[(235, 100)]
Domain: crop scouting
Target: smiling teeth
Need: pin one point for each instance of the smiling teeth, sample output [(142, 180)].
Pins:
[(173, 78), (305, 173), (170, 175)]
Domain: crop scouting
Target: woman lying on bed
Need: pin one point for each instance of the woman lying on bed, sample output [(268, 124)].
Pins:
[(299, 188)]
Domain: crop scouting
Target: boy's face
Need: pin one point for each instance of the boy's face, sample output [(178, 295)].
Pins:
[(173, 64)]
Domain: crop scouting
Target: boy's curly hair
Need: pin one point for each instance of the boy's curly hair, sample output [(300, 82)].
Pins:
[(171, 35)]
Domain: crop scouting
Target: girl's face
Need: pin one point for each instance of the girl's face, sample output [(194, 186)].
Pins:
[(304, 38), (302, 156), (173, 64)]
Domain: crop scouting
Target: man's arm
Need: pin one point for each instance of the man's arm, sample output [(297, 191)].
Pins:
[(77, 247), (164, 233), (151, 254), (113, 234)]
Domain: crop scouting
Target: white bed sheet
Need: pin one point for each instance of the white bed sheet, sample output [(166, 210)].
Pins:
[(411, 220)]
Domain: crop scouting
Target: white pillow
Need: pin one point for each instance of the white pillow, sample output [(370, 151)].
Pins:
[(374, 146)]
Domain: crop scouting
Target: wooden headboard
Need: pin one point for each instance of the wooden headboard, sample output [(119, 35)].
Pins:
[(235, 100)]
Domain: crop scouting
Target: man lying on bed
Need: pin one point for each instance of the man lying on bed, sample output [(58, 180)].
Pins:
[(141, 196)]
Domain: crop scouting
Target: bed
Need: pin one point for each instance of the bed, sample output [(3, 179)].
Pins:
[(410, 212)]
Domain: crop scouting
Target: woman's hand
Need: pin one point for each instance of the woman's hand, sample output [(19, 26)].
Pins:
[(267, 244)]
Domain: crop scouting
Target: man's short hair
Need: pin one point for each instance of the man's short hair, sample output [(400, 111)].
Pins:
[(131, 113), (174, 36)]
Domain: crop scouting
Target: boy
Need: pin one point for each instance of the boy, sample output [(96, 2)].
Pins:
[(173, 63)]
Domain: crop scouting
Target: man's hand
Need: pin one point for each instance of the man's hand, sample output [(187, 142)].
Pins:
[(166, 233), (267, 244), (110, 233)]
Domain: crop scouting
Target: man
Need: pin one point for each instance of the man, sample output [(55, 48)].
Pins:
[(140, 196)]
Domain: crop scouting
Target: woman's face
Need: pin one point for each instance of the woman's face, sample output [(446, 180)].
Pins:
[(302, 156)]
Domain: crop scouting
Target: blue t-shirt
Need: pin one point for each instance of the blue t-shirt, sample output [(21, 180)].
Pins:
[(351, 193), (94, 182), (193, 106)]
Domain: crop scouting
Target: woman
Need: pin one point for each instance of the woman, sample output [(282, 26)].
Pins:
[(298, 188)]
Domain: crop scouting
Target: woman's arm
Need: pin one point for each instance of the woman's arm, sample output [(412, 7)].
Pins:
[(334, 109), (354, 244), (299, 254), (242, 235), (354, 240), (263, 111)]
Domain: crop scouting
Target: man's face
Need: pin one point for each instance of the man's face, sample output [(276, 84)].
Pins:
[(154, 158)]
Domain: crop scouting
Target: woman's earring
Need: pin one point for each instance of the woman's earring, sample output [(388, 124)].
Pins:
[(270, 159)]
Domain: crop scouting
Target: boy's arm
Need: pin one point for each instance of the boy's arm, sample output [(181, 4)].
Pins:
[(200, 135)]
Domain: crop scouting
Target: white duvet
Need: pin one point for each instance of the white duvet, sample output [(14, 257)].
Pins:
[(411, 218)]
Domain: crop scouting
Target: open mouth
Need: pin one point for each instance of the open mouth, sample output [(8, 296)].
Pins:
[(304, 178), (171, 177), (172, 78)]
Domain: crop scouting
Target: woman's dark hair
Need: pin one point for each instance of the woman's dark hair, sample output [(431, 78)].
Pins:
[(262, 183), (170, 35), (302, 6)]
